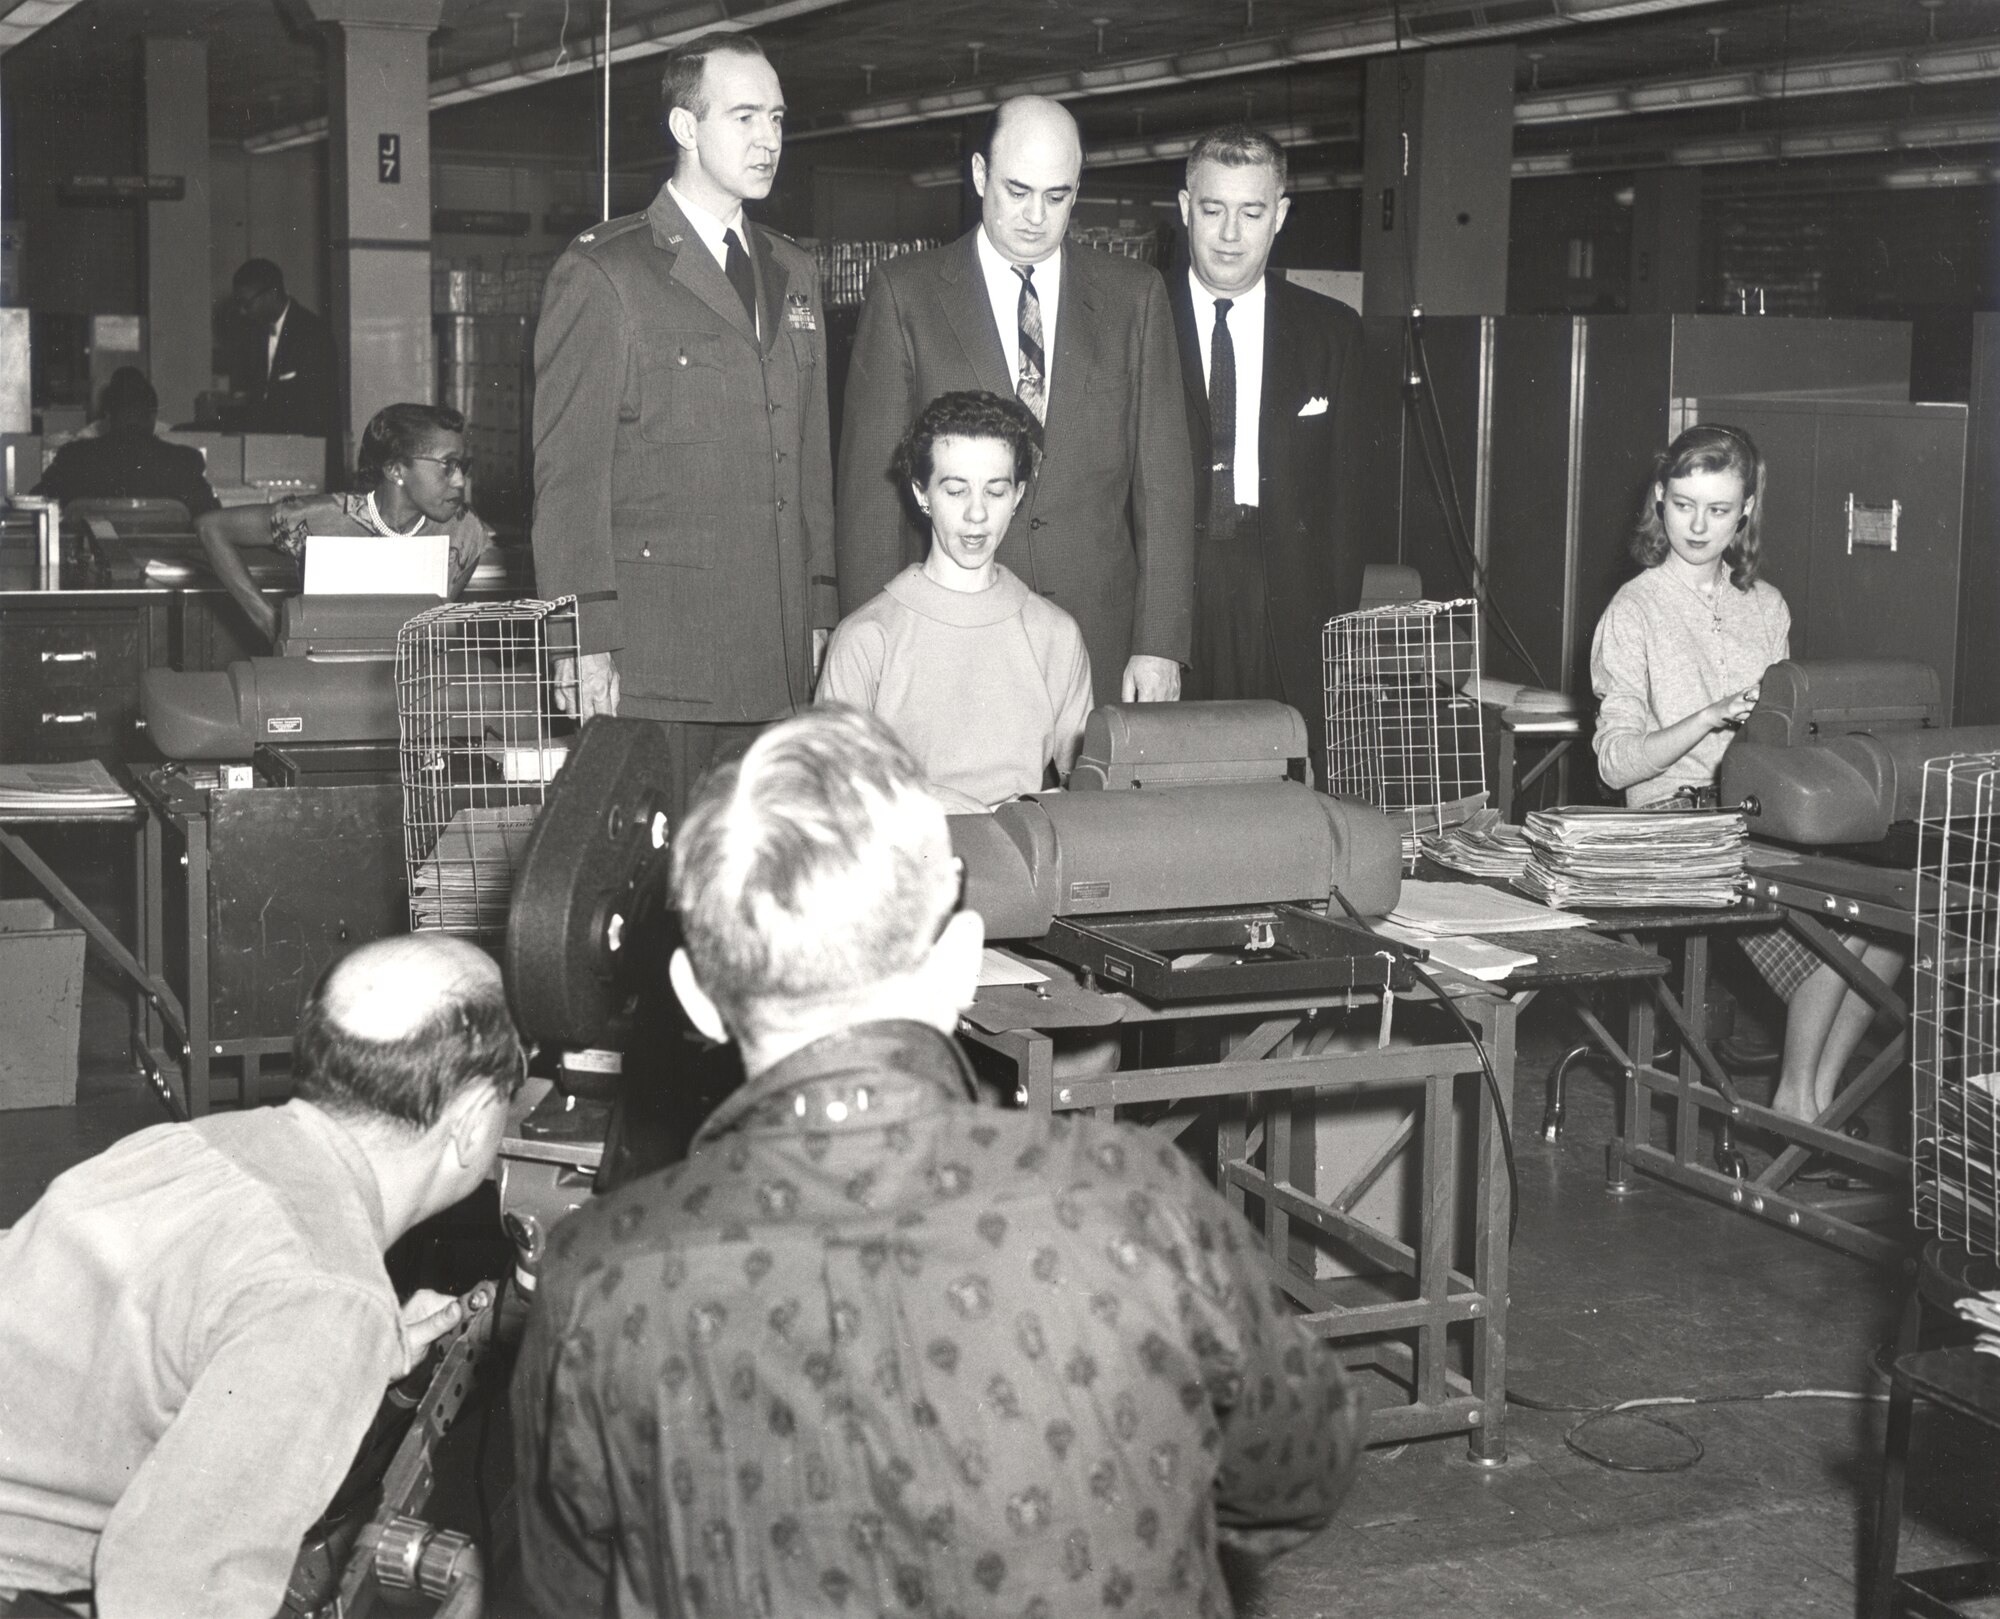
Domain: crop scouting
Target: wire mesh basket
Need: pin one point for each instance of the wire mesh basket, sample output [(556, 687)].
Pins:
[(1955, 1019), (1403, 728), (481, 740)]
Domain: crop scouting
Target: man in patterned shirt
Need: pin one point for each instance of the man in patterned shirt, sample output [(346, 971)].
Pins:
[(876, 1349)]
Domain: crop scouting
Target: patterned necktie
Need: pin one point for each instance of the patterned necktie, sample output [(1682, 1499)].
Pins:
[(736, 265), (1222, 411), (1032, 385)]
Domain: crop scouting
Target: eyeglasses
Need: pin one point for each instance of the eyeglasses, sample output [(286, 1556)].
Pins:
[(958, 899), (453, 466)]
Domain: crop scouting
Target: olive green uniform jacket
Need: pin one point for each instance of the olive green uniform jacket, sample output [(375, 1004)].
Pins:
[(683, 482)]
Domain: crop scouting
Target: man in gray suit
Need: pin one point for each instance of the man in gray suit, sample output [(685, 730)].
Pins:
[(1086, 341), (683, 482)]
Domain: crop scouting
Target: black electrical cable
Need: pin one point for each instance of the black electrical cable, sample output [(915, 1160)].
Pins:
[(1446, 491), (1645, 1410)]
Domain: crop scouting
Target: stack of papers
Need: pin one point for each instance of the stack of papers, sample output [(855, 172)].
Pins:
[(1485, 846), (1447, 910), (1476, 958), (1617, 859), (466, 882), (60, 791), (1983, 1311)]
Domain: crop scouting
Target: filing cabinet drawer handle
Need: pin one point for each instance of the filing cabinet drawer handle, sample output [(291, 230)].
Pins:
[(87, 655), (86, 717)]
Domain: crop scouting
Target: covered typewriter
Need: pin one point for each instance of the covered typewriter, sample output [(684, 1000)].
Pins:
[(1834, 752)]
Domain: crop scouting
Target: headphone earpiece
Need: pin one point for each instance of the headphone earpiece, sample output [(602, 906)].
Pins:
[(1742, 522), (1660, 510)]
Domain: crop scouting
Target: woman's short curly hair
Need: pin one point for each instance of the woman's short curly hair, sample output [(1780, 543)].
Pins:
[(1711, 447), (971, 414), (397, 433)]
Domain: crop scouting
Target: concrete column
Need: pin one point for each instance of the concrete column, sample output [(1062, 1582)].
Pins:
[(379, 201), (1666, 242), (1437, 156), (179, 320)]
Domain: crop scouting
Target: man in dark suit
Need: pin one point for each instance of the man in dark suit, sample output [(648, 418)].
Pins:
[(289, 383), (683, 483), (1273, 375), (125, 460), (1086, 341)]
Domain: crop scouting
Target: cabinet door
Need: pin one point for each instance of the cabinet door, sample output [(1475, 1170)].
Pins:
[(69, 683), (1869, 601)]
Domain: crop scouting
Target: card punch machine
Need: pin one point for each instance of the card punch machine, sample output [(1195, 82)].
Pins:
[(333, 680), (1834, 753), (1191, 858)]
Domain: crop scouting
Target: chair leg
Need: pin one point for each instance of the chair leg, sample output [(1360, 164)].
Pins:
[(1879, 1588)]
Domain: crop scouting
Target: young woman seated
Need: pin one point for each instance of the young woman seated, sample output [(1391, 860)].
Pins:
[(985, 682), (1676, 663), (413, 478)]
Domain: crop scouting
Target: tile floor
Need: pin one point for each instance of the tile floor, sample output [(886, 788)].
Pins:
[(1651, 1294)]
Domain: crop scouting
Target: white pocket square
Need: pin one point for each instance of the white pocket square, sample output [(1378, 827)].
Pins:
[(1315, 406), (293, 376)]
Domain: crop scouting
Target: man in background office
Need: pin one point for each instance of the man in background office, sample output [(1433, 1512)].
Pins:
[(288, 381), (1273, 390), (683, 482), (124, 459), (1085, 340)]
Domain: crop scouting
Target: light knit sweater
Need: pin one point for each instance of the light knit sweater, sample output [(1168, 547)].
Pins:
[(984, 689), (1662, 650)]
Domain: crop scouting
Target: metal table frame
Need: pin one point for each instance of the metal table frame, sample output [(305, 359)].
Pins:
[(1701, 1087), (158, 1013), (1259, 1094)]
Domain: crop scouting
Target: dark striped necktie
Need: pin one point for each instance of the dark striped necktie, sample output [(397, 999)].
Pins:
[(1222, 411), (1031, 386)]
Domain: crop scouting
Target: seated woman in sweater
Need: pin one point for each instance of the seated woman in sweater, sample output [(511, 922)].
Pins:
[(1676, 664), (985, 682)]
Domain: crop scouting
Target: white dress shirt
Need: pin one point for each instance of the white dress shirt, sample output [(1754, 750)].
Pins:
[(1246, 337), (1003, 292), (711, 228)]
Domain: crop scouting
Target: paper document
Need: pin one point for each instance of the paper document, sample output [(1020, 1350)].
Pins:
[(377, 565), (1476, 958), (1441, 909), (997, 967), (55, 790)]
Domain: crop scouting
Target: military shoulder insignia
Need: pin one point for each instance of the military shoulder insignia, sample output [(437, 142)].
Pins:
[(799, 312)]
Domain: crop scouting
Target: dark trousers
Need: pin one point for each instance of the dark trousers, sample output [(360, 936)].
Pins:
[(1233, 654)]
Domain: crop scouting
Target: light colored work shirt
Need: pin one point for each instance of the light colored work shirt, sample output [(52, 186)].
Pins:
[(1663, 650), (1246, 340), (1003, 293), (197, 1330)]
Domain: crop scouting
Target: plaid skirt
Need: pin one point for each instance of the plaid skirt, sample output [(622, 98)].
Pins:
[(1781, 958)]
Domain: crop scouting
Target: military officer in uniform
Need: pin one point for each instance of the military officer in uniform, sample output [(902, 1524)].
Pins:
[(683, 483)]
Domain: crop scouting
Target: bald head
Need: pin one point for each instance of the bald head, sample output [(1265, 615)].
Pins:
[(401, 1026), (1027, 178)]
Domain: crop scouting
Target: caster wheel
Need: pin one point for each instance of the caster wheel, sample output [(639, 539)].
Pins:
[(1732, 1163)]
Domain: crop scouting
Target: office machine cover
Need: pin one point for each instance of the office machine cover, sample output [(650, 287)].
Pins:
[(1834, 752), (1137, 745)]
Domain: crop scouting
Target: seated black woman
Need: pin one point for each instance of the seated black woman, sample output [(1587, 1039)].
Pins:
[(123, 459), (986, 683), (414, 479)]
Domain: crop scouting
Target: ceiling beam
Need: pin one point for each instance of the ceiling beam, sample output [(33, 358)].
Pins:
[(1372, 34), (1172, 148), (1962, 63), (24, 19), (653, 36), (1777, 146)]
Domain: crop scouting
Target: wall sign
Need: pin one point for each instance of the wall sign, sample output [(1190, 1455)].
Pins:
[(389, 159)]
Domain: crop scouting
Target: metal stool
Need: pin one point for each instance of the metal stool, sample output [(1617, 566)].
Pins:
[(1960, 1380)]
